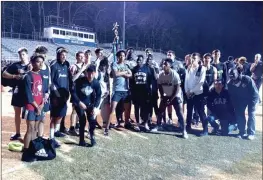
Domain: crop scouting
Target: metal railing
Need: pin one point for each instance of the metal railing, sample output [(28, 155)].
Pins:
[(32, 36)]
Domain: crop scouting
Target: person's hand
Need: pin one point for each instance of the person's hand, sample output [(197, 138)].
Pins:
[(82, 105), (17, 77), (46, 98), (38, 110)]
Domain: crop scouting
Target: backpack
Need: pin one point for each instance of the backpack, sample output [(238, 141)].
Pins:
[(7, 82)]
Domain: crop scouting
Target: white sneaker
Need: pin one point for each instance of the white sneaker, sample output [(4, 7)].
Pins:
[(147, 127), (185, 135), (251, 137), (170, 121)]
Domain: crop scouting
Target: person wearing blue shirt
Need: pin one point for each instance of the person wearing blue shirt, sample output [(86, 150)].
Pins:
[(86, 97), (244, 94), (60, 87)]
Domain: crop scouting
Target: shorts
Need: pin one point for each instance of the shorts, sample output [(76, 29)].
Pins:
[(58, 110), (121, 96), (32, 115), (46, 107), (18, 99)]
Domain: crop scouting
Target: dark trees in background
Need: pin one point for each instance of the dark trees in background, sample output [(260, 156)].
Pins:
[(233, 27)]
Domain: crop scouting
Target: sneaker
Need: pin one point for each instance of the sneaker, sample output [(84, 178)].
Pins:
[(118, 125), (215, 131), (98, 126), (106, 132), (232, 127), (93, 142), (251, 137), (146, 127), (158, 128), (83, 144), (205, 133), (59, 134), (73, 132), (113, 125), (137, 128), (127, 125), (185, 135), (170, 121), (54, 143), (15, 137)]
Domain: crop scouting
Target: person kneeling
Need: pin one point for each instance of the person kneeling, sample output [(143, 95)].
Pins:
[(86, 98), (218, 102)]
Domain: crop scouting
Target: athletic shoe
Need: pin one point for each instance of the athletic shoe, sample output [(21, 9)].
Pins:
[(137, 128), (146, 127), (131, 120), (15, 137), (83, 144), (98, 126), (59, 134), (118, 125), (54, 143), (93, 142), (215, 130), (205, 133), (127, 125), (113, 125), (185, 135), (158, 128), (232, 127), (170, 121), (73, 132), (106, 132), (251, 137)]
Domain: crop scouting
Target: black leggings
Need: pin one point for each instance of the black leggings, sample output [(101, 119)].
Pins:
[(82, 122), (141, 109), (153, 106)]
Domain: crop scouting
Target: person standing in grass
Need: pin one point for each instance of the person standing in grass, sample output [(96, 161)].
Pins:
[(194, 80), (121, 76), (34, 91), (243, 94), (16, 72), (86, 97), (169, 84)]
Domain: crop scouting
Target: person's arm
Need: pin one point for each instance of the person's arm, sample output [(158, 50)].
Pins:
[(160, 87), (253, 66), (176, 84), (98, 95), (74, 95), (116, 72), (11, 72), (129, 74), (201, 81), (53, 86), (28, 92)]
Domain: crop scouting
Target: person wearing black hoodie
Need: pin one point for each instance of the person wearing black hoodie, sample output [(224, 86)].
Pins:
[(218, 101)]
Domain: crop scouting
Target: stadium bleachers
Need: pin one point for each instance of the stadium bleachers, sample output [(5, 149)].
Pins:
[(10, 47)]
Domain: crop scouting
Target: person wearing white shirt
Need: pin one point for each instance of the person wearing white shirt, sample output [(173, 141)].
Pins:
[(169, 85), (194, 80)]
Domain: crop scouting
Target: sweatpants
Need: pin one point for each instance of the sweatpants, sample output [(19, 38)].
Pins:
[(82, 122)]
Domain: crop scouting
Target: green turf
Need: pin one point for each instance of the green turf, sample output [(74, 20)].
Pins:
[(158, 157)]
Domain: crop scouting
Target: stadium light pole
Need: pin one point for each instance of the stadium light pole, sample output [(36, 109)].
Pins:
[(123, 25)]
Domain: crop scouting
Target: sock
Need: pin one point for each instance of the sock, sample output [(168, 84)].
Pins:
[(57, 127), (52, 131), (170, 115)]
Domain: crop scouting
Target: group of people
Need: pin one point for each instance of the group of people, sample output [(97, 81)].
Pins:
[(40, 86)]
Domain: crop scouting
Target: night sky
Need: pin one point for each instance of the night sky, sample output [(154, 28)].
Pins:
[(234, 27)]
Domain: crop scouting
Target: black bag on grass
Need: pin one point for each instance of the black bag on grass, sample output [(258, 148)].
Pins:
[(42, 149)]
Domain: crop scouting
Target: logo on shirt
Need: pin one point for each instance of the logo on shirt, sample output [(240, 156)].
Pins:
[(62, 75), (37, 88), (44, 76), (140, 78), (87, 90), (219, 101)]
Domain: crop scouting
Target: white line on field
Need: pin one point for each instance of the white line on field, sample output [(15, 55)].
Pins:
[(10, 170), (137, 134)]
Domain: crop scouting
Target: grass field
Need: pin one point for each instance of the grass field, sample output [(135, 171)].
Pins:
[(126, 155)]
